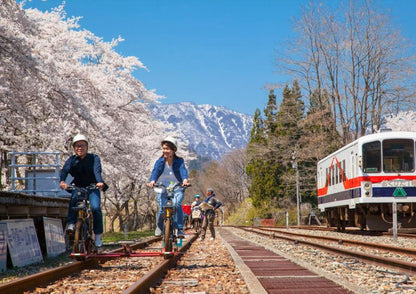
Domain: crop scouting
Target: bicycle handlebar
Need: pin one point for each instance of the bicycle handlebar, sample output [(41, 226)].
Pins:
[(160, 185), (170, 188), (73, 187)]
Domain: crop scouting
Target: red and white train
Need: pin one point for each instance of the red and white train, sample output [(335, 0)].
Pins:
[(358, 184)]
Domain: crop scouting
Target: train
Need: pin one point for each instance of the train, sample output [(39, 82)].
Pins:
[(370, 183)]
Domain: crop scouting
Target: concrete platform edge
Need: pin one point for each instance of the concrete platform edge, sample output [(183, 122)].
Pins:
[(253, 284)]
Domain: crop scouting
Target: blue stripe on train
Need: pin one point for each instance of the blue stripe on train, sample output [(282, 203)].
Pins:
[(355, 193)]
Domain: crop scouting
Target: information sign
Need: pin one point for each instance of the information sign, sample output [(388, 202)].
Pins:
[(54, 236), (3, 247), (22, 241)]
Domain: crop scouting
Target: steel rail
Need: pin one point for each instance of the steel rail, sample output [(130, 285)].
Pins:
[(46, 277), (157, 273), (404, 265), (43, 278), (410, 251), (150, 279)]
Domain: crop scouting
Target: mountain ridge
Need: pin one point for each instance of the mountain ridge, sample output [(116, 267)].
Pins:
[(211, 131)]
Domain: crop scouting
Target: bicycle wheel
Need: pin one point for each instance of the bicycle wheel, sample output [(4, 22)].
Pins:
[(79, 237), (198, 225), (89, 242), (167, 237)]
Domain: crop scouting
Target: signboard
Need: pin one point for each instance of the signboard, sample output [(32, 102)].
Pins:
[(23, 242), (3, 247), (54, 236)]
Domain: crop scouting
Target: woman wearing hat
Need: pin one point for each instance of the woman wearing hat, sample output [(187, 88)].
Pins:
[(170, 169)]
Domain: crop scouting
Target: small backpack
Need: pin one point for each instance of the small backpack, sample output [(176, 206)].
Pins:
[(196, 213)]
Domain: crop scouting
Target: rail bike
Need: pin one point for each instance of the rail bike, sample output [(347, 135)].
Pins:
[(84, 247), (83, 233), (369, 181), (171, 241)]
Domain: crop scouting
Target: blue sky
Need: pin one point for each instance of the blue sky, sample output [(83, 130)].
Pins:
[(218, 52)]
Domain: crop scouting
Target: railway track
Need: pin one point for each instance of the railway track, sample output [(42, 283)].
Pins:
[(345, 241), (360, 275), (353, 231), (111, 275), (207, 267), (404, 258)]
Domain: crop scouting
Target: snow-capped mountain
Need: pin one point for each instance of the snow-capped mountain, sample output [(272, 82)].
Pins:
[(210, 130)]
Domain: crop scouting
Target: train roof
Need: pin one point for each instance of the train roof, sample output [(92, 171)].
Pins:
[(376, 136)]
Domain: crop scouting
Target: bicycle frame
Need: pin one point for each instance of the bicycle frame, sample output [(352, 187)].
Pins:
[(170, 239), (83, 239)]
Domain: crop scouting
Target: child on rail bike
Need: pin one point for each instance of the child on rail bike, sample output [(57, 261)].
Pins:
[(196, 213), (169, 169)]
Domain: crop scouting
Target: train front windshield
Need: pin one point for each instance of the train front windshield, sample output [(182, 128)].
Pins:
[(397, 156)]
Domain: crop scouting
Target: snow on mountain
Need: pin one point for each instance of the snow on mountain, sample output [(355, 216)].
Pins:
[(209, 130)]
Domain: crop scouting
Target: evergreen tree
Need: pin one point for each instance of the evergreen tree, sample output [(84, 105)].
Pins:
[(262, 167), (288, 131), (270, 113), (265, 182), (319, 138), (286, 139), (257, 130)]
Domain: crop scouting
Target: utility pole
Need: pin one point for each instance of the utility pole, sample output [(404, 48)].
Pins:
[(298, 200)]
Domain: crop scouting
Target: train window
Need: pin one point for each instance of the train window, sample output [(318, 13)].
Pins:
[(318, 179), (327, 178), (353, 166), (398, 155), (372, 157), (338, 173)]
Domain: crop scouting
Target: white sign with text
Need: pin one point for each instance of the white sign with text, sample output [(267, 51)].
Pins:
[(54, 236), (23, 242)]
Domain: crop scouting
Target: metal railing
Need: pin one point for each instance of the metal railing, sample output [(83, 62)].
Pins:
[(39, 179)]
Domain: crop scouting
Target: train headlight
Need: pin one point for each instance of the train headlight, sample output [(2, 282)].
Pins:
[(367, 189)]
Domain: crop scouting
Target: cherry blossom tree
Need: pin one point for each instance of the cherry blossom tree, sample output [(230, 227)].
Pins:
[(58, 80), (403, 121)]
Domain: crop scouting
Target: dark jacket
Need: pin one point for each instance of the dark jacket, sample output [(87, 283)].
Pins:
[(85, 171), (214, 202)]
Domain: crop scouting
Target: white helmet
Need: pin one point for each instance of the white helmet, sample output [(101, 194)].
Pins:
[(171, 140), (79, 137)]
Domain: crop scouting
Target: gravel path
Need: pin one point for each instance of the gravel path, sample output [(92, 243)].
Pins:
[(207, 267)]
